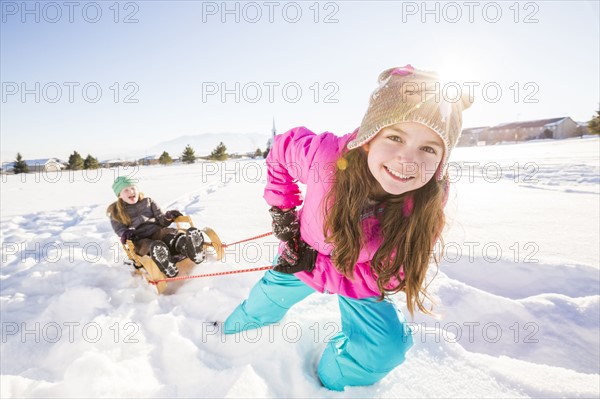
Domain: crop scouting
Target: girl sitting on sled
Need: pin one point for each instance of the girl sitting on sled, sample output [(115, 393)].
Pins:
[(137, 218)]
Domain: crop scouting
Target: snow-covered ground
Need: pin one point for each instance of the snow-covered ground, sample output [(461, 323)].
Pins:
[(517, 292)]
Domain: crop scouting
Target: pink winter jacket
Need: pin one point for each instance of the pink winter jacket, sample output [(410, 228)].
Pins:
[(301, 156)]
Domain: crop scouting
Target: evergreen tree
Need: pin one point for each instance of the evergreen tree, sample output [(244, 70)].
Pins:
[(75, 161), (219, 153), (20, 166), (188, 156), (257, 153), (165, 159), (594, 124), (90, 163)]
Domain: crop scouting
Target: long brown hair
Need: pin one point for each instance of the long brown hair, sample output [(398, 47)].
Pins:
[(116, 211), (408, 239)]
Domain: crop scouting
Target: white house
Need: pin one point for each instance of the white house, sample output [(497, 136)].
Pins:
[(555, 128), (38, 165)]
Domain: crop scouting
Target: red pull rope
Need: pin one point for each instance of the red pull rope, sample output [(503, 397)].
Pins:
[(256, 269), (248, 239)]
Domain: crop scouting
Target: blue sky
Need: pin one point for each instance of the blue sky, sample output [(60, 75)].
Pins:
[(188, 67)]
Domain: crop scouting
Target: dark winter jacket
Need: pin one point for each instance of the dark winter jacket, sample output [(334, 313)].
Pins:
[(146, 218)]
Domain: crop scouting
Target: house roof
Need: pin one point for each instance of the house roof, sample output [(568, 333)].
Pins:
[(33, 163), (528, 124), (40, 162)]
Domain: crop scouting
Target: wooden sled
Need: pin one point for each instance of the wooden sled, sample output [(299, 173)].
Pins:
[(145, 266)]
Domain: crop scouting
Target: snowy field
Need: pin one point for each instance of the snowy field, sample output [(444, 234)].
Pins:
[(517, 292)]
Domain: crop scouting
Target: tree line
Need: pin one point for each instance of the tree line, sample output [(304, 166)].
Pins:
[(77, 162)]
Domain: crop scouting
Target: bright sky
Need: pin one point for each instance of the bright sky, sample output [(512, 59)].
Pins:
[(108, 77)]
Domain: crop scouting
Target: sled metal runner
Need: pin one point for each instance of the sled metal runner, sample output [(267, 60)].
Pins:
[(145, 266)]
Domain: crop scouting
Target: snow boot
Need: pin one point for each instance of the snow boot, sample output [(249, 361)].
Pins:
[(194, 245), (176, 244), (190, 244), (159, 252)]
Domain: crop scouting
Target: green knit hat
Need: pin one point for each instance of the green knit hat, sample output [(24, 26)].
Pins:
[(122, 182)]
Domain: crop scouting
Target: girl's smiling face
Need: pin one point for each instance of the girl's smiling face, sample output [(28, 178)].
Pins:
[(404, 156), (130, 195)]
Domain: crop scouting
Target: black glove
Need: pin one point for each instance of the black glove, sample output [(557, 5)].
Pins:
[(297, 256), (127, 235), (171, 215), (285, 224)]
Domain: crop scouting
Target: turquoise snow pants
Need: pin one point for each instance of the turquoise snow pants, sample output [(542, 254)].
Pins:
[(373, 339)]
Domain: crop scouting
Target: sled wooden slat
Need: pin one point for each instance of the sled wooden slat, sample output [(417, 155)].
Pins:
[(215, 242), (148, 268), (151, 271)]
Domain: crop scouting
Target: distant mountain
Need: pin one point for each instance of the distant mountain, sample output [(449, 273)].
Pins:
[(203, 144)]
